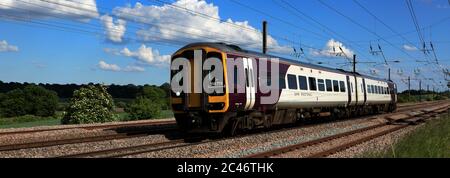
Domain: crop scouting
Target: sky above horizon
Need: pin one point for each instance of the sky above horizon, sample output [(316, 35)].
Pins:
[(130, 42)]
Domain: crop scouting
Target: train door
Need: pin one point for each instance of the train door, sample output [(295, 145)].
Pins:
[(392, 91), (250, 86), (364, 90), (356, 90), (349, 91)]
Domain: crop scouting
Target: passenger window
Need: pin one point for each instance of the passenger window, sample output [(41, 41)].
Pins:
[(303, 83), (235, 75), (351, 86), (335, 86), (329, 86), (321, 84), (342, 86), (369, 90), (379, 90), (292, 82), (312, 83), (373, 89)]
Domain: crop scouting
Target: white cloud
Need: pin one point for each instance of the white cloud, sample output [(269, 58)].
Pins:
[(82, 10), (332, 49), (110, 67), (409, 48), (115, 68), (114, 30), (143, 54), (166, 23), (5, 47), (133, 69)]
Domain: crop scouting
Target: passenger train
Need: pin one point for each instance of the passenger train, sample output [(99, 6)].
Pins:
[(306, 91)]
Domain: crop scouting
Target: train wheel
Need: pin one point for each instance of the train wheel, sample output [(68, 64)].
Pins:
[(232, 127)]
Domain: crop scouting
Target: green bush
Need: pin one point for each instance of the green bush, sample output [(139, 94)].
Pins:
[(33, 100), (13, 104), (148, 104), (41, 102), (121, 104), (91, 104), (143, 108)]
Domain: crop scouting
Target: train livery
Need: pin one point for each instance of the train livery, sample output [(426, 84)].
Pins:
[(306, 91)]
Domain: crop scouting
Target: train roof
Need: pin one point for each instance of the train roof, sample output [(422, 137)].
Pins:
[(238, 50)]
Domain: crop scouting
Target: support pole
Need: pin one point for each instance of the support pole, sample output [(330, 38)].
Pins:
[(389, 74), (420, 90), (354, 63), (409, 87), (264, 47)]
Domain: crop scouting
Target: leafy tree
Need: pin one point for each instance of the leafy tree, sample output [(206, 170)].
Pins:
[(33, 100), (143, 108), (13, 104), (148, 104), (90, 104), (40, 102)]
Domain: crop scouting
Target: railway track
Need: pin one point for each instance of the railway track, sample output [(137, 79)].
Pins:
[(118, 125), (400, 123), (124, 151), (105, 137), (153, 147), (92, 127), (145, 148)]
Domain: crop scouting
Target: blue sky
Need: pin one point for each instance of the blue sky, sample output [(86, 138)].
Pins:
[(53, 46)]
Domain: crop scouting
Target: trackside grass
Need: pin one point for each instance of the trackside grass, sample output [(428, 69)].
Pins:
[(429, 141)]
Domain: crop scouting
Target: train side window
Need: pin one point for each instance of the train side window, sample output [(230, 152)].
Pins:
[(282, 82), (292, 82), (312, 83), (335, 86), (388, 91), (385, 90), (321, 84), (235, 75), (329, 86), (379, 90), (373, 89), (342, 86), (302, 82), (369, 90)]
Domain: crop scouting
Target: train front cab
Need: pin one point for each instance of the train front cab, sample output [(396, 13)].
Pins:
[(201, 112)]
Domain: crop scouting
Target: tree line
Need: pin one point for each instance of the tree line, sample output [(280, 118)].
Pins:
[(129, 91), (88, 104)]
